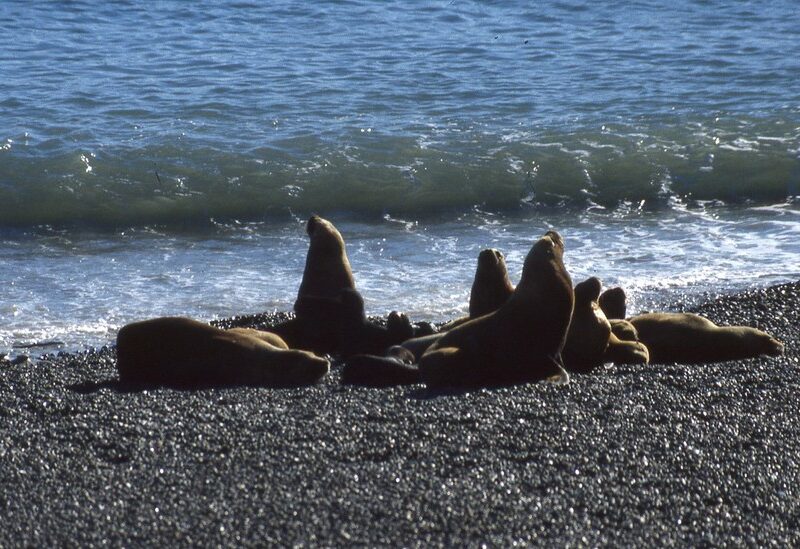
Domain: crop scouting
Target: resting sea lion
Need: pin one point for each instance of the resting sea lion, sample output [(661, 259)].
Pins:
[(180, 352), (590, 340), (518, 343), (397, 368), (692, 339)]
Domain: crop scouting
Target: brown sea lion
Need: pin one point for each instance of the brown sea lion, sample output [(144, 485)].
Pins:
[(614, 303), (317, 308), (692, 339), (590, 340), (518, 343), (491, 287), (396, 368), (417, 345), (180, 352), (327, 271), (329, 311)]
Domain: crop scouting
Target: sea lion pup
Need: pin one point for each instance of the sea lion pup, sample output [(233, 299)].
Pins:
[(185, 353), (590, 340), (614, 303), (396, 368), (692, 339), (327, 272), (518, 343)]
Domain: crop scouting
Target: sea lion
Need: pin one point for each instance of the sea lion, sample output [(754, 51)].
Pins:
[(491, 287), (518, 343), (396, 368), (614, 303), (590, 340), (180, 352), (327, 269), (317, 308), (692, 339), (416, 345), (329, 311)]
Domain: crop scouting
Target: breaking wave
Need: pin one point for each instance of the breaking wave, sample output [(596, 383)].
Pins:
[(365, 173)]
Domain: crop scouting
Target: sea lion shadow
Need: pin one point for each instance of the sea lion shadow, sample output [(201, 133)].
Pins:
[(90, 387), (427, 393), (121, 387)]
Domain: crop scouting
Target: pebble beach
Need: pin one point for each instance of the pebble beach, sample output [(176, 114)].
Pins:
[(627, 456)]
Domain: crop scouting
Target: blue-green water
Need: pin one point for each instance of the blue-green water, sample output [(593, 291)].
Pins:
[(159, 158)]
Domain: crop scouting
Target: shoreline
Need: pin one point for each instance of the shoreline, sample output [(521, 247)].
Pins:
[(662, 454)]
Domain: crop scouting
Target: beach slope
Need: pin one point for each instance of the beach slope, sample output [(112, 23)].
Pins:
[(678, 455)]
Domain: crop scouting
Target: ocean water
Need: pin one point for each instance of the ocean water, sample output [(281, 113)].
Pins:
[(161, 158)]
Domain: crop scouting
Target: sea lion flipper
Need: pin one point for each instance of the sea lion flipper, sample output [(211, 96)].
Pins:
[(559, 375), (626, 352)]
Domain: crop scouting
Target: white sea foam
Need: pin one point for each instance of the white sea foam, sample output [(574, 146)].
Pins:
[(79, 290)]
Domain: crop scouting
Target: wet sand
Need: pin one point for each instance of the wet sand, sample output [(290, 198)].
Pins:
[(631, 455)]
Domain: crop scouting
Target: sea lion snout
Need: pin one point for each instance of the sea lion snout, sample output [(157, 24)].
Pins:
[(773, 347), (548, 244), (555, 238), (313, 223), (588, 290), (490, 256), (300, 368)]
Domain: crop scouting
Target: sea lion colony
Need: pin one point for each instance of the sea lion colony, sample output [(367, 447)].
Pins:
[(539, 330)]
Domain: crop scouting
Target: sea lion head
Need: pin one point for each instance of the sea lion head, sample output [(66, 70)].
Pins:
[(769, 345), (589, 329), (294, 369), (324, 234), (491, 257), (491, 286), (544, 265), (614, 303), (327, 268), (588, 291)]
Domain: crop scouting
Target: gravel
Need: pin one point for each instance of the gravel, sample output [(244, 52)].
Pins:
[(673, 454)]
